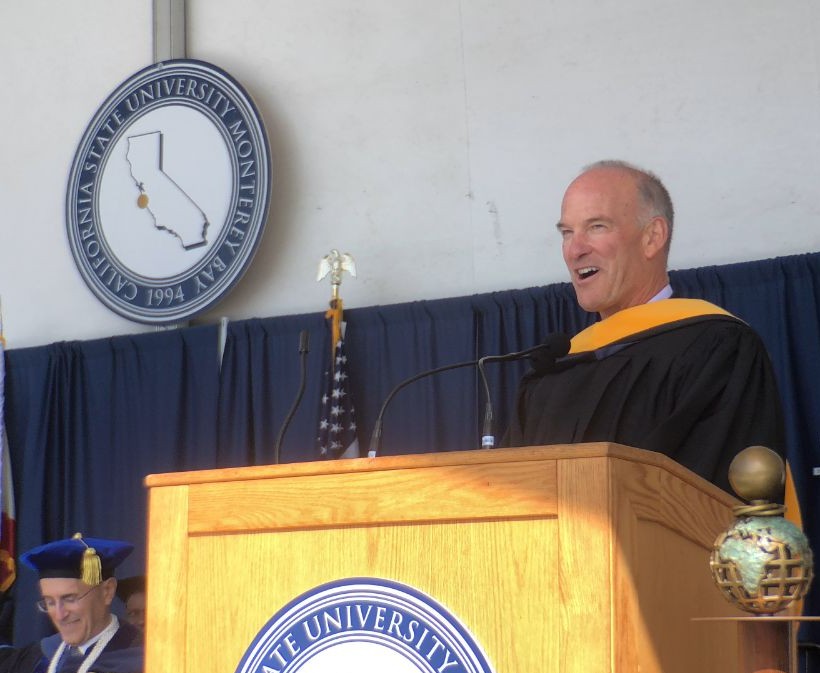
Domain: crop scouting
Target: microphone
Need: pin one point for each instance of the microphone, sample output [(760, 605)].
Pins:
[(542, 356), (554, 345), (544, 361), (304, 340)]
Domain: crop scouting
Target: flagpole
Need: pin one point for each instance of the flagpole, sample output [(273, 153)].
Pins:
[(335, 264), (337, 434)]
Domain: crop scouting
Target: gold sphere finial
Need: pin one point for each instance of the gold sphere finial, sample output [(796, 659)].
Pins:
[(758, 474)]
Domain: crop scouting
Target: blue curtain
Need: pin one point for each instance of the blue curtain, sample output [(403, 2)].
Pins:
[(87, 421)]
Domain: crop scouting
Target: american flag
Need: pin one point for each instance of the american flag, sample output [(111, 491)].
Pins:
[(337, 436)]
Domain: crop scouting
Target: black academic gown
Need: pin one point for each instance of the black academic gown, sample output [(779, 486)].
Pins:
[(698, 390), (123, 654)]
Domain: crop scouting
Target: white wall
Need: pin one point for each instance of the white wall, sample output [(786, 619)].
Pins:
[(430, 138)]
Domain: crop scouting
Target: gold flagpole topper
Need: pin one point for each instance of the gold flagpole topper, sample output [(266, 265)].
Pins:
[(335, 264)]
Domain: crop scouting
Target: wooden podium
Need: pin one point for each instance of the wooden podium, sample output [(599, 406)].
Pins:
[(589, 558)]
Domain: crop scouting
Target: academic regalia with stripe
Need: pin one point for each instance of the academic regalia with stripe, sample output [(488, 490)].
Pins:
[(678, 376), (123, 654)]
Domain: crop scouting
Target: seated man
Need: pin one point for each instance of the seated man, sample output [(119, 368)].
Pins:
[(678, 376), (131, 591), (77, 587)]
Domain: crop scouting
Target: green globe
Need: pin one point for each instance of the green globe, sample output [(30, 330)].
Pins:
[(762, 564)]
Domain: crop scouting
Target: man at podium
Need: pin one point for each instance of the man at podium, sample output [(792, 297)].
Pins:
[(679, 376)]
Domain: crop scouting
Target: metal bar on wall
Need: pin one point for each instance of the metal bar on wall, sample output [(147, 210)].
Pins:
[(169, 29)]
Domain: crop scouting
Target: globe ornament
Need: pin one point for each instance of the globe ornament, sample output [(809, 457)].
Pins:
[(762, 563)]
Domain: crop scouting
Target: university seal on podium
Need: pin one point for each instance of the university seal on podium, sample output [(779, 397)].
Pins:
[(169, 192), (363, 625)]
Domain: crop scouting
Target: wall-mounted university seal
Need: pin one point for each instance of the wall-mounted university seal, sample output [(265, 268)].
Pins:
[(363, 625), (169, 192)]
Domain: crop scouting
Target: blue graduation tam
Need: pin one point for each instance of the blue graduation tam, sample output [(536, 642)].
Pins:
[(90, 559)]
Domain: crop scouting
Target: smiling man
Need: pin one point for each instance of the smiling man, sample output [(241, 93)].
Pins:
[(678, 376), (77, 587), (616, 224)]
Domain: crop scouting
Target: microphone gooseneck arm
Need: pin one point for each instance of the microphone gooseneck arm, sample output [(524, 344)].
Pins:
[(487, 436), (376, 436), (304, 340), (557, 345), (554, 347)]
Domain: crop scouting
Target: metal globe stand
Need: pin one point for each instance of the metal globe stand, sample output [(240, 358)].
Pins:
[(763, 565)]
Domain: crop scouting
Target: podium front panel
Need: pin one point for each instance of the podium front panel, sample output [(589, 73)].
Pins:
[(555, 559)]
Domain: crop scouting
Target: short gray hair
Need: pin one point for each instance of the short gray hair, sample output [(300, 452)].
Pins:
[(654, 195)]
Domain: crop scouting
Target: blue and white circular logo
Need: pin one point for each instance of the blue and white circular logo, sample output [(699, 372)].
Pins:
[(169, 192), (363, 625)]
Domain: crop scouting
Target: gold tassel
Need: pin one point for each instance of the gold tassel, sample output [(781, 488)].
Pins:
[(91, 567), (90, 564)]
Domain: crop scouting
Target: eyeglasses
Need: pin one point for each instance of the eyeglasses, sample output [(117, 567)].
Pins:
[(69, 601)]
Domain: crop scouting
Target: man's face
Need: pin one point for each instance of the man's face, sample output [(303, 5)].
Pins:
[(79, 612), (614, 262), (135, 609)]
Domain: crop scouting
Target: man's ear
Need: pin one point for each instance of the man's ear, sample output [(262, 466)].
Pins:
[(655, 236), (109, 589)]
